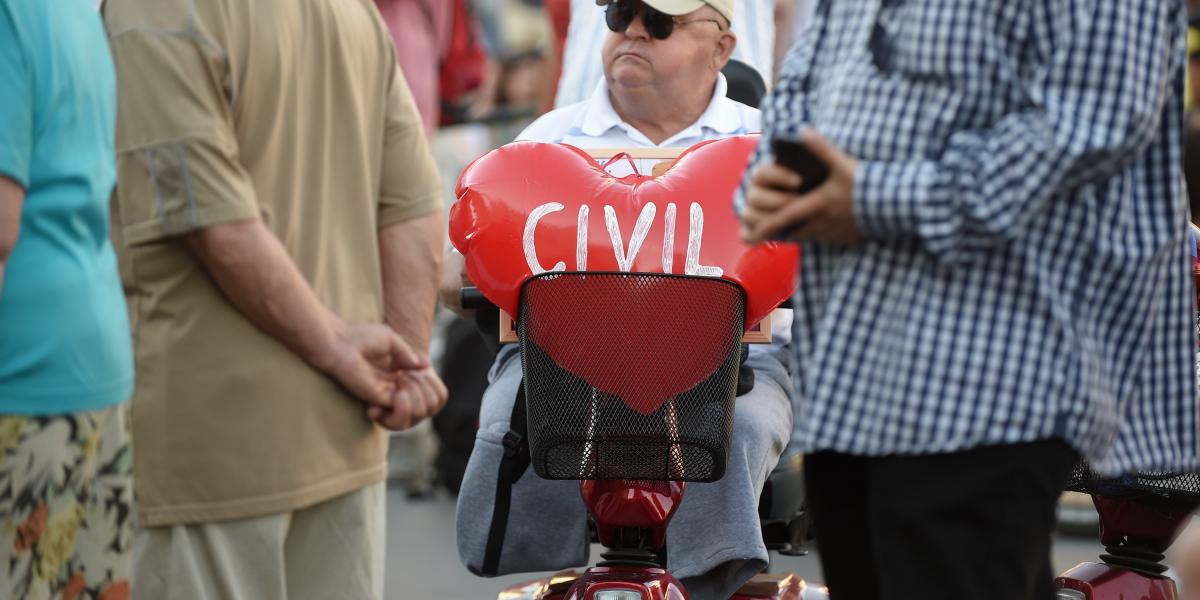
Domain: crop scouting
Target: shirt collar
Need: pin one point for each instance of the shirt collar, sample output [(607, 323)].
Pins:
[(599, 117)]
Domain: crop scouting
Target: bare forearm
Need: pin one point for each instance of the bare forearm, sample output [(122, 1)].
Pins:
[(12, 198), (255, 272), (411, 259)]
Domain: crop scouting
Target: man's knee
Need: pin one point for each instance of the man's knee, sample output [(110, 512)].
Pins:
[(496, 407), (763, 416)]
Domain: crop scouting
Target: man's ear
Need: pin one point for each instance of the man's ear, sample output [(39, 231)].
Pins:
[(723, 50)]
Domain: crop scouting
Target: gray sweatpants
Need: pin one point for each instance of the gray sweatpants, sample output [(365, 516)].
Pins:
[(714, 541)]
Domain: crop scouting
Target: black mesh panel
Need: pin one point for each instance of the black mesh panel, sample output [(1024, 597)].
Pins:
[(630, 375), (1178, 489)]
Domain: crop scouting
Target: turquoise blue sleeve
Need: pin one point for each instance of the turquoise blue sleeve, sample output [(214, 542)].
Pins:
[(16, 119)]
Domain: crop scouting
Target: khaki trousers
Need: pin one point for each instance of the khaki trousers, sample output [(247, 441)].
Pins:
[(330, 551)]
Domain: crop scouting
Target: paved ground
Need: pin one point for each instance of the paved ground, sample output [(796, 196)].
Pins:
[(423, 563)]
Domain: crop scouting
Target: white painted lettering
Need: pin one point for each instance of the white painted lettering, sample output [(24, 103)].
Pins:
[(527, 240), (625, 255), (695, 237), (640, 229), (668, 257), (581, 239)]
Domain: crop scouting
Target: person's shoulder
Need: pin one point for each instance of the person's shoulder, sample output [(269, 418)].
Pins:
[(554, 125), (162, 17), (382, 18)]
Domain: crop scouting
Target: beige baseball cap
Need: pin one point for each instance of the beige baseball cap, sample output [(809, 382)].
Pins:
[(683, 7)]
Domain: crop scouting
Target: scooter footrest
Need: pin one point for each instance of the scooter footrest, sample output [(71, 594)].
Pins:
[(772, 585)]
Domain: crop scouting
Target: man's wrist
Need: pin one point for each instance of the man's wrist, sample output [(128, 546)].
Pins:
[(321, 344), (419, 346)]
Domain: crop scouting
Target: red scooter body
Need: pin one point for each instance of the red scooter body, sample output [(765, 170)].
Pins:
[(1099, 581), (766, 586), (619, 507), (620, 504), (780, 587), (1138, 521), (1136, 529), (650, 583)]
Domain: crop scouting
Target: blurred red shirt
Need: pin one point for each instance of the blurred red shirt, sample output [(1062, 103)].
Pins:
[(421, 31)]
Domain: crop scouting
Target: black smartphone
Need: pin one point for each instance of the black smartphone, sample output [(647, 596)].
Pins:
[(793, 154)]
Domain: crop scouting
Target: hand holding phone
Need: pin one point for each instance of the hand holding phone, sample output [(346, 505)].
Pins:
[(791, 153)]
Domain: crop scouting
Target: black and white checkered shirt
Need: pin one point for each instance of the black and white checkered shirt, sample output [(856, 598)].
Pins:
[(1027, 272)]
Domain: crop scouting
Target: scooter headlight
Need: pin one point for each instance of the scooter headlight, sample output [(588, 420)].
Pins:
[(1065, 594), (617, 595)]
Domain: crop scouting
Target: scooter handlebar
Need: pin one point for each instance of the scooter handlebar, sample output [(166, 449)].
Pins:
[(471, 298)]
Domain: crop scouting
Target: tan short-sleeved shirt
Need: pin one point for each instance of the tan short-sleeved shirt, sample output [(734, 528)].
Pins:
[(294, 112)]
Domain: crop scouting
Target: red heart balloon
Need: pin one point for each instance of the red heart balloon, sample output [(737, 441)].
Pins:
[(531, 207)]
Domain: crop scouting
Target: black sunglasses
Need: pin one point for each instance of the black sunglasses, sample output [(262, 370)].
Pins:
[(660, 25)]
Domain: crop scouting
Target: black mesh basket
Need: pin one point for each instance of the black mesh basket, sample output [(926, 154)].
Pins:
[(1181, 490), (630, 375)]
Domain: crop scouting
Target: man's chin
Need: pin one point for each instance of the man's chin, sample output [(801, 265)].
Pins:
[(631, 78)]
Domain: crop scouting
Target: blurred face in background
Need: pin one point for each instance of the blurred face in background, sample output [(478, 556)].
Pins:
[(522, 80), (698, 47)]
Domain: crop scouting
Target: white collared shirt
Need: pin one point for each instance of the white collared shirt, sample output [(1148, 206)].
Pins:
[(594, 123)]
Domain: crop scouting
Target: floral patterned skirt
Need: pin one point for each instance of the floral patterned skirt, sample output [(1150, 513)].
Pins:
[(66, 502)]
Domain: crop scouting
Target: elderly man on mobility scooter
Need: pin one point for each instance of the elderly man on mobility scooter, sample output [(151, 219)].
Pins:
[(662, 88)]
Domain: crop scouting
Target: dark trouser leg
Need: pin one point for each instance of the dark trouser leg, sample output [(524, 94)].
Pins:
[(972, 525), (836, 485)]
